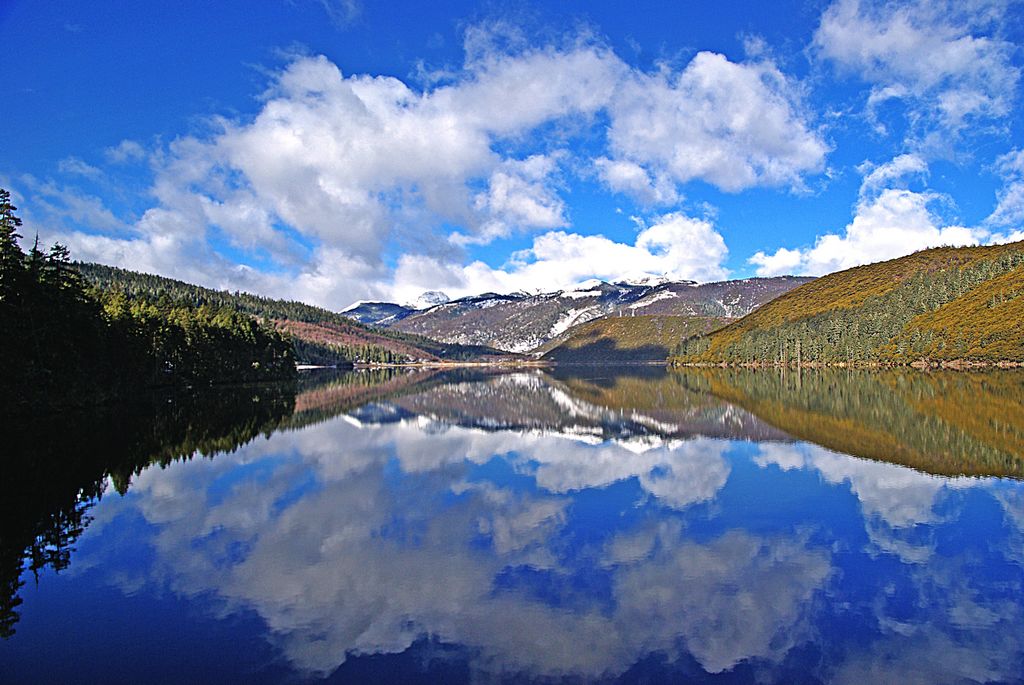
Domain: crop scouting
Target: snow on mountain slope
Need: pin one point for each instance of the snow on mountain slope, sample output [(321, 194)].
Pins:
[(520, 322), (377, 313), (429, 299)]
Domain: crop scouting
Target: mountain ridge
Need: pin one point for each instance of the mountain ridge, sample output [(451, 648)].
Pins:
[(320, 336), (946, 305), (522, 322)]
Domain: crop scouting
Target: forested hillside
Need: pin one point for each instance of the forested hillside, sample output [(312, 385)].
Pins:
[(935, 306), (320, 336), (627, 339), (65, 345)]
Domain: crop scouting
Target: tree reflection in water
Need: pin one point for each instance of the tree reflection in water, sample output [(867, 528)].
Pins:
[(590, 525)]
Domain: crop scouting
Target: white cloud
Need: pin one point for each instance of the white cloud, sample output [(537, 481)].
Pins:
[(342, 12), (349, 165), (54, 206), (77, 167), (888, 222), (895, 223), (1009, 211), (733, 125), (518, 195), (884, 175), (781, 262), (944, 60), (624, 176), (162, 242), (675, 245), (125, 152)]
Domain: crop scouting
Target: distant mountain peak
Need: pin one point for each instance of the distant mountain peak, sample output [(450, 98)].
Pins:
[(589, 284), (521, 321), (356, 305), (645, 279), (430, 298)]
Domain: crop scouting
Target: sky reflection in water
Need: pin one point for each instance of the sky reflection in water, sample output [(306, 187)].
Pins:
[(418, 530)]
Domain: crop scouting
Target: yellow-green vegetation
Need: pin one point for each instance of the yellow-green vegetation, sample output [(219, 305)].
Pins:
[(900, 416), (936, 305), (986, 323), (626, 339)]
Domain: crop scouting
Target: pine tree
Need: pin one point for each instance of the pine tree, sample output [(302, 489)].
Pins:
[(12, 258)]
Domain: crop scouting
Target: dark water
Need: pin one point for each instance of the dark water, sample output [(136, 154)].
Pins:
[(643, 526)]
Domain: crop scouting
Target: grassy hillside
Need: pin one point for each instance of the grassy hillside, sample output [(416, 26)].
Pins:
[(321, 336), (985, 323), (936, 305), (626, 339)]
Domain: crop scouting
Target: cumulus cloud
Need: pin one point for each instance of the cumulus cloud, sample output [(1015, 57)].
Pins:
[(1009, 211), (883, 176), (125, 152), (629, 178), (674, 244), (518, 195), (334, 170), (944, 60), (888, 222), (733, 125)]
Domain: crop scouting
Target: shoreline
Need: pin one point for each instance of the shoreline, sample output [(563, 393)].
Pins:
[(437, 365), (920, 365)]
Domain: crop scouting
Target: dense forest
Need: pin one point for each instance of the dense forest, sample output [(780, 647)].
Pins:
[(320, 336), (936, 306), (65, 344)]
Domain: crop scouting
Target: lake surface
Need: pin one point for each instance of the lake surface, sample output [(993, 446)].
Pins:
[(639, 525)]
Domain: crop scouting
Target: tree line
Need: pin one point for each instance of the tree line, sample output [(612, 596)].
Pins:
[(896, 326), (154, 288), (63, 343)]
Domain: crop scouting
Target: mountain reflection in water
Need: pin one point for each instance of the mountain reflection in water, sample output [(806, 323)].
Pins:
[(634, 526)]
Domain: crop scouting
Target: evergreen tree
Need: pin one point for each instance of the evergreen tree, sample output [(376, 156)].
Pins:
[(12, 258)]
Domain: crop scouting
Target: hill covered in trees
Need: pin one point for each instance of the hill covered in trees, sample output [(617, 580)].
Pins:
[(320, 336), (628, 339), (66, 345), (944, 305)]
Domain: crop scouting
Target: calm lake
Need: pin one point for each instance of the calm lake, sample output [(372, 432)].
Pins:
[(590, 524)]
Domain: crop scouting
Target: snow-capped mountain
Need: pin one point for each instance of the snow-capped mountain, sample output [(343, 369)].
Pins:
[(377, 313), (387, 314), (730, 299), (648, 280), (429, 299), (520, 322)]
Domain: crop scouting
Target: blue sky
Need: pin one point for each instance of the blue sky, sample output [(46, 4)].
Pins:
[(331, 151)]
